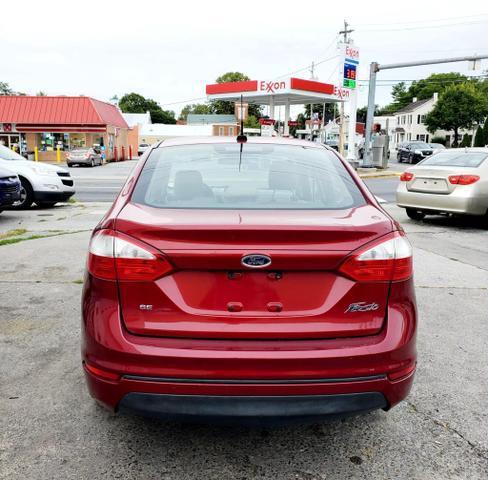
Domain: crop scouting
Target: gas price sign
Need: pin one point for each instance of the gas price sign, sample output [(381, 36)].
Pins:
[(351, 62), (349, 80)]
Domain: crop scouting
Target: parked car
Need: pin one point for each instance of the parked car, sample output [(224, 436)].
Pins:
[(258, 281), (41, 183), (9, 188), (84, 156), (453, 181), (437, 147), (142, 148), (413, 152)]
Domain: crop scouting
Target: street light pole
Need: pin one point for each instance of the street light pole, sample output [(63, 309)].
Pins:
[(374, 69)]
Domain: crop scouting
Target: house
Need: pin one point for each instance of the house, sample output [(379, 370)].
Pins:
[(51, 125), (410, 123)]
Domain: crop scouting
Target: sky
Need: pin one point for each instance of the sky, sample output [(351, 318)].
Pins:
[(169, 50)]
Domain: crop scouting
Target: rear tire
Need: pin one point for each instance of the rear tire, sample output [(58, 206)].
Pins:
[(26, 195), (92, 164), (415, 214)]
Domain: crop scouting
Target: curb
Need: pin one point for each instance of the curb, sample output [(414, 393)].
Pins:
[(380, 175)]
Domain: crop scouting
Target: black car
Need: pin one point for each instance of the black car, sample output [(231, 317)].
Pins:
[(413, 152), (9, 188)]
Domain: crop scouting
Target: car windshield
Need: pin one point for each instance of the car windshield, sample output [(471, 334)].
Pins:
[(456, 159), (266, 176), (7, 154), (418, 145)]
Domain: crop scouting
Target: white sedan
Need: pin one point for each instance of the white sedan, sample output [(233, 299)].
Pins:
[(42, 183), (454, 181)]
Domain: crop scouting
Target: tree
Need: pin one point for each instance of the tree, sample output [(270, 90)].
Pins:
[(460, 106), (41, 93), (425, 88), (251, 122), (435, 83), (195, 108), (5, 89), (135, 103), (485, 131), (224, 107), (479, 138)]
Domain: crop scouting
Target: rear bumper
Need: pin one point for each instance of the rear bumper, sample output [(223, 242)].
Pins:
[(250, 409), (461, 201), (159, 368)]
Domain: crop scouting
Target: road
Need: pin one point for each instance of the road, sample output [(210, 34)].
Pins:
[(101, 184), (51, 429)]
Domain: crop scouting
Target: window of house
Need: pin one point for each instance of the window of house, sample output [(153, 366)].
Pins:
[(231, 131), (221, 131)]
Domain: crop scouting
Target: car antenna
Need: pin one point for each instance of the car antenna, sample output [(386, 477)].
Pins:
[(241, 138)]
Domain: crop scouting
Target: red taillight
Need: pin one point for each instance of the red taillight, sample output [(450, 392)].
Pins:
[(102, 373), (114, 256), (406, 176), (388, 260), (463, 179)]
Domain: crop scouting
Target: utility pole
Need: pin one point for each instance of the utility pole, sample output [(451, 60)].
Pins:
[(346, 40), (312, 77), (375, 67), (346, 32)]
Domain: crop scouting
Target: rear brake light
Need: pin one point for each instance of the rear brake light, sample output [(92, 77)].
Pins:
[(102, 373), (389, 260), (114, 256), (406, 176), (463, 179)]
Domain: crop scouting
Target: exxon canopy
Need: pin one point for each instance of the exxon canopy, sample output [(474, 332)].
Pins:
[(292, 91)]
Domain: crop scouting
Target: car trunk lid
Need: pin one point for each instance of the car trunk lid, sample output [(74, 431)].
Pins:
[(211, 294)]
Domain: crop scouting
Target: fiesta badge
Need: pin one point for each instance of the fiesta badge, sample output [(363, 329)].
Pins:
[(256, 260)]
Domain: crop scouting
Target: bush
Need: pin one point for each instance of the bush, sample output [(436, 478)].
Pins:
[(466, 142), (439, 139), (479, 138)]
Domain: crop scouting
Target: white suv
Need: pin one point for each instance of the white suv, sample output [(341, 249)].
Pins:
[(41, 183)]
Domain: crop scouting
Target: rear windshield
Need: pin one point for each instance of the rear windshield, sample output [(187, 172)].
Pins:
[(420, 145), (456, 159), (264, 176)]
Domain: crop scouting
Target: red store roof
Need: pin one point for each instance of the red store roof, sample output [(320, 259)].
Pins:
[(70, 112)]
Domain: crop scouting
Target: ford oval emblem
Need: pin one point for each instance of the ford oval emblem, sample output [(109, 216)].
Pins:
[(256, 260)]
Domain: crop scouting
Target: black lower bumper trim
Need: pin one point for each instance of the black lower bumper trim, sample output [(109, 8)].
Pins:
[(52, 196), (256, 410)]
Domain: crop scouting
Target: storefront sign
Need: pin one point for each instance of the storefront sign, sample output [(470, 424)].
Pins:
[(6, 127), (266, 121), (292, 123), (271, 86)]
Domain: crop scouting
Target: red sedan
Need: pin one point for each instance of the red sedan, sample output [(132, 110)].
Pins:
[(256, 281)]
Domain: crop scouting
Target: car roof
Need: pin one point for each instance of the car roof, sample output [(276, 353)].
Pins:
[(467, 149), (250, 140)]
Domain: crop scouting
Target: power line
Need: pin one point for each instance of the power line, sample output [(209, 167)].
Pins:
[(422, 27), (445, 19)]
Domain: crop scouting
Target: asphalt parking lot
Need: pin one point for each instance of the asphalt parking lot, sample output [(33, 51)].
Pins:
[(51, 429)]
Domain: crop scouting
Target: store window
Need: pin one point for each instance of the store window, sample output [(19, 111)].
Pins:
[(77, 140), (50, 141)]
